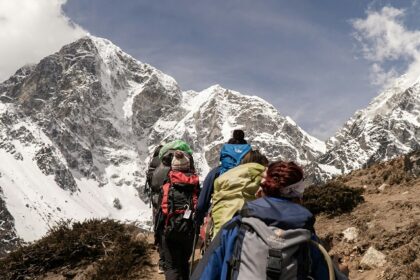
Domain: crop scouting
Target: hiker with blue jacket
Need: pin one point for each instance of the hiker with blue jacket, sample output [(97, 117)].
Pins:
[(271, 236), (230, 156)]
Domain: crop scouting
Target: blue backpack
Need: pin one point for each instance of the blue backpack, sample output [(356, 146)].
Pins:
[(231, 155)]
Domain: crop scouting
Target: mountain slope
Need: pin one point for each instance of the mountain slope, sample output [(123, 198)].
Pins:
[(77, 128), (388, 221)]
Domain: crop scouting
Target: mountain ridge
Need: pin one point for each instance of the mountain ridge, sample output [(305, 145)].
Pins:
[(77, 129)]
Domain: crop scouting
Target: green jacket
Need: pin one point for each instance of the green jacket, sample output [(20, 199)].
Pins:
[(232, 189)]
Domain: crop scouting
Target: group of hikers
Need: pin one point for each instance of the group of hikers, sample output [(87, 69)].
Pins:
[(247, 216)]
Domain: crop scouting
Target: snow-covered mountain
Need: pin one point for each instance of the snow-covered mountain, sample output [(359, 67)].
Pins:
[(211, 115), (77, 128), (388, 127)]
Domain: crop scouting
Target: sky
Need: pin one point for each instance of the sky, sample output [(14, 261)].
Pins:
[(315, 61)]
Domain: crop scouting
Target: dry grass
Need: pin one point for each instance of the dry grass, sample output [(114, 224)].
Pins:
[(106, 244)]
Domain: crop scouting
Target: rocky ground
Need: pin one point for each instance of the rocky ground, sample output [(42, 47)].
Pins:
[(380, 238)]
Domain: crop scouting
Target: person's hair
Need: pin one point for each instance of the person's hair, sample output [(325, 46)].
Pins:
[(238, 137), (255, 156), (280, 174)]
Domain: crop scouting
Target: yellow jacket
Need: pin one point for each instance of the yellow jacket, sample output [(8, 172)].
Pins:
[(232, 189)]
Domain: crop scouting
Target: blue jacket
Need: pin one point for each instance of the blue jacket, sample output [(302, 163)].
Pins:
[(204, 200), (277, 212)]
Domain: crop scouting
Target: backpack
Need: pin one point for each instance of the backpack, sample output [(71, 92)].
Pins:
[(263, 252), (154, 163), (179, 202), (231, 155), (159, 176)]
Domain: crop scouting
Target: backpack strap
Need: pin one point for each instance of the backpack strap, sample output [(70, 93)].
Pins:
[(165, 198), (274, 264)]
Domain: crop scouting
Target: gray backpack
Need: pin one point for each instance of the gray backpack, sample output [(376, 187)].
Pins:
[(263, 252)]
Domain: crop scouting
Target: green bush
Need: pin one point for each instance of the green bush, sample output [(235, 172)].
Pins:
[(333, 198)]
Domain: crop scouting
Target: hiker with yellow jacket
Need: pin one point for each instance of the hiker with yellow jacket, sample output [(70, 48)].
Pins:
[(235, 187)]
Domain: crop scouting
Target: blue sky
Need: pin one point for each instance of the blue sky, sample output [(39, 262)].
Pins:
[(301, 56)]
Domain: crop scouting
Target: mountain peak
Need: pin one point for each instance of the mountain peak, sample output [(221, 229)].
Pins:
[(387, 127)]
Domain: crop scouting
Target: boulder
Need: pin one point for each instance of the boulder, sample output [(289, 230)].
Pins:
[(383, 187), (373, 259), (350, 234)]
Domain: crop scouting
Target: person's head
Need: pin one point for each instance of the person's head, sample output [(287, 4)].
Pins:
[(255, 156), (180, 161), (238, 137), (283, 179)]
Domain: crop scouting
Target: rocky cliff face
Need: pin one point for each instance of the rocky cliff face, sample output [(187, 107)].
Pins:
[(8, 236), (77, 128), (211, 116)]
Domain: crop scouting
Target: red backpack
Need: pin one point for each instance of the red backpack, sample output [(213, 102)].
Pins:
[(179, 202)]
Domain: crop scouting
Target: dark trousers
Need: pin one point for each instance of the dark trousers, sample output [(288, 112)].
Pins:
[(158, 228), (176, 256)]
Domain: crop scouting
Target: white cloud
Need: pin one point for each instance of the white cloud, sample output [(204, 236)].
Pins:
[(31, 30), (385, 38)]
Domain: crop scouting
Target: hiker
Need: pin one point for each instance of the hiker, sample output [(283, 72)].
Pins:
[(231, 154), (179, 202), (158, 178), (270, 237), (235, 187)]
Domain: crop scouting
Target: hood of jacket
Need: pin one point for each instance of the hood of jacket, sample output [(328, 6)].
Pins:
[(243, 180), (279, 212), (232, 189)]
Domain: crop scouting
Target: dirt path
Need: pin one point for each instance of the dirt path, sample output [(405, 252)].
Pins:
[(155, 259)]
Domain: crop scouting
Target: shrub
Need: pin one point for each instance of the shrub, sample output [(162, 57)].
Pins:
[(395, 179), (333, 198), (386, 174), (107, 243)]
